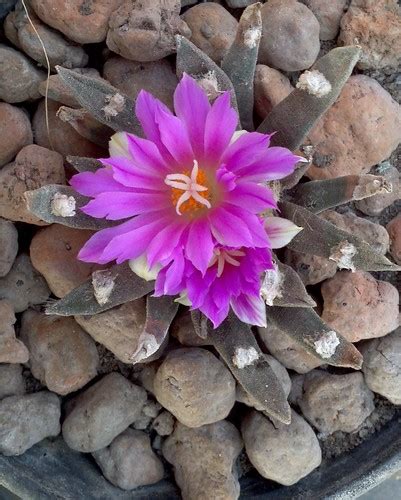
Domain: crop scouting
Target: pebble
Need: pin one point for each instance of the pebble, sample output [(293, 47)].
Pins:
[(62, 356), (60, 51), (329, 15), (290, 37), (157, 77), (12, 381), (54, 251), (15, 131), (129, 461), (145, 31), (182, 328), (336, 402), (81, 21), (6, 6), (64, 139), (12, 350), (195, 386), (8, 246), (102, 412), (312, 269), (375, 26), (270, 88), (287, 351), (382, 366), (163, 424), (239, 4), (360, 130), (33, 168), (27, 419), (19, 77), (394, 231), (118, 329), (23, 286), (282, 453), (358, 306), (203, 460), (213, 29), (374, 205)]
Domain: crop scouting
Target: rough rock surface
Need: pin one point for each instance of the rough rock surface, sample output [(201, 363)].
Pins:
[(33, 168), (282, 453), (8, 246), (394, 231), (270, 88), (12, 381), (54, 251), (11, 349), (102, 412), (25, 420), (382, 366), (23, 286), (358, 306), (329, 14), (118, 329), (290, 37), (195, 386), (375, 205), (163, 424), (213, 29), (375, 26), (129, 461), (336, 402), (182, 328), (311, 269), (144, 31), (19, 77), (203, 460), (62, 356), (15, 131), (361, 129)]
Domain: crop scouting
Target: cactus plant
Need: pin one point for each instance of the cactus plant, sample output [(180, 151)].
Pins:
[(288, 303)]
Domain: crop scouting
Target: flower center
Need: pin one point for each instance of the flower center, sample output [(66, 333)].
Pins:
[(221, 256), (189, 192)]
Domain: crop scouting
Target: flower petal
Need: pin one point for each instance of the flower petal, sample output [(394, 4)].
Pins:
[(94, 183), (255, 197), (126, 172), (118, 145), (199, 245), (276, 163), (163, 245), (280, 231), (250, 309), (228, 229), (141, 268), (245, 150)]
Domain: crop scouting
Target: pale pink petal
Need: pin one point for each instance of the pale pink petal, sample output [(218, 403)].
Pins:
[(250, 309), (280, 231)]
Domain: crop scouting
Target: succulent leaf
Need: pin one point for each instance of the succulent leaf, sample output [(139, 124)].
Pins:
[(295, 116), (83, 122), (82, 164), (240, 62)]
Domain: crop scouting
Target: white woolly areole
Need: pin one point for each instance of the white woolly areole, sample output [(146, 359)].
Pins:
[(271, 286), (115, 104), (327, 345), (314, 82), (208, 82), (244, 356), (63, 205), (252, 37), (343, 254), (103, 285)]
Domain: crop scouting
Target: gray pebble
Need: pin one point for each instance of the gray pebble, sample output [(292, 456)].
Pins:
[(8, 246), (11, 380)]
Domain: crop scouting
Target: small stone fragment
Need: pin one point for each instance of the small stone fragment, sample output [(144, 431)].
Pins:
[(33, 168), (203, 460), (15, 131), (287, 350), (118, 329), (163, 424), (129, 461), (62, 356), (12, 350), (19, 77), (361, 129), (213, 29), (12, 381), (282, 453), (394, 231), (102, 412), (8, 246), (358, 306), (374, 205), (25, 420), (195, 386), (23, 286), (145, 31), (335, 402), (329, 14), (382, 366), (290, 38), (311, 269), (375, 26)]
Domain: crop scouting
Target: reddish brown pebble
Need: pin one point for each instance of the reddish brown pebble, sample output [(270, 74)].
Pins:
[(394, 231), (15, 131)]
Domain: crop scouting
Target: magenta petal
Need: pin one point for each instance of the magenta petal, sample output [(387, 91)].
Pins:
[(255, 197), (228, 229), (94, 183), (192, 106), (146, 155), (199, 246), (276, 163), (114, 206), (245, 150), (220, 125), (250, 309), (174, 274), (216, 314), (163, 245)]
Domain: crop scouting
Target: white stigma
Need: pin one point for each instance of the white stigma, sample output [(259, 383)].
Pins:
[(189, 185), (222, 256)]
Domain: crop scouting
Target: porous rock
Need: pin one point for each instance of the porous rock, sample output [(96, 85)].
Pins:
[(329, 15), (12, 381), (15, 131), (12, 350), (270, 88), (394, 231), (8, 246)]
